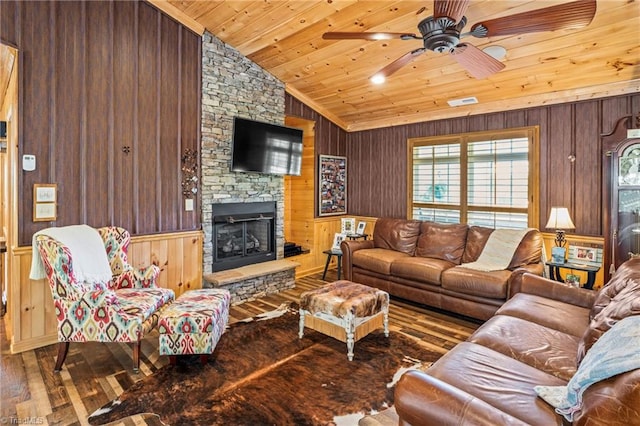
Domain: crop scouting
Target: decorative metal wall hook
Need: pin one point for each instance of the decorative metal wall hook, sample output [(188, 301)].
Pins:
[(126, 149)]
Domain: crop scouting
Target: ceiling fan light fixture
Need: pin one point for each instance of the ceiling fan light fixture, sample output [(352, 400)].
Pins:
[(378, 78), (496, 52), (479, 64)]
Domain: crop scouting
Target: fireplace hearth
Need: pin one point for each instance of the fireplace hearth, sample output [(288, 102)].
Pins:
[(243, 234)]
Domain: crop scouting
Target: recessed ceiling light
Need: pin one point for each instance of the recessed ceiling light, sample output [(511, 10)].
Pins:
[(496, 52), (377, 79)]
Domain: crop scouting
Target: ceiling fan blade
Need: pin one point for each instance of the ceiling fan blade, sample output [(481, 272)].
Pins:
[(398, 63), (479, 64), (367, 36), (453, 9), (572, 15)]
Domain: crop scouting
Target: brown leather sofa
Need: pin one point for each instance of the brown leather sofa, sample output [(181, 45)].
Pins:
[(536, 338), (420, 261)]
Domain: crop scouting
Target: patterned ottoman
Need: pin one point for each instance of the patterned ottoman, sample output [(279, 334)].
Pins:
[(194, 323), (344, 310)]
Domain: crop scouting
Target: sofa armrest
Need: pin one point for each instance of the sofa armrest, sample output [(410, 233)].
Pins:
[(421, 399), (544, 287), (515, 280), (348, 247)]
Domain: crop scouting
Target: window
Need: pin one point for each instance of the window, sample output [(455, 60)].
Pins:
[(484, 178)]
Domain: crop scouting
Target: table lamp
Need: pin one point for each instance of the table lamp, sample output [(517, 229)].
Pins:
[(560, 220)]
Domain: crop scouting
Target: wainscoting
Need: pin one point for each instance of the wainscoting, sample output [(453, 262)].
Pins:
[(30, 312)]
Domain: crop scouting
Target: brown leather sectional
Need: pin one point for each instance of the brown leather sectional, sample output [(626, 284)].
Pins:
[(420, 261), (536, 338)]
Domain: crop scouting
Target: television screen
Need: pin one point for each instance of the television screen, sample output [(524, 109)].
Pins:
[(266, 148)]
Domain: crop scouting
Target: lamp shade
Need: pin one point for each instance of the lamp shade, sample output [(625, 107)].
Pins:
[(559, 219)]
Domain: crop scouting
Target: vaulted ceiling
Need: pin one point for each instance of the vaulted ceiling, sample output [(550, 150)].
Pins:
[(332, 76)]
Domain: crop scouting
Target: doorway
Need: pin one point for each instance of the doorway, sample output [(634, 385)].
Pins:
[(8, 166)]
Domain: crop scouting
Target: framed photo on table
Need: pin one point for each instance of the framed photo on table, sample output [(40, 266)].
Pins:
[(337, 239), (361, 227), (332, 182), (348, 226), (590, 256)]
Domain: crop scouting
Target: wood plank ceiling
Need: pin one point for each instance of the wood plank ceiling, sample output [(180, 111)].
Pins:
[(285, 38)]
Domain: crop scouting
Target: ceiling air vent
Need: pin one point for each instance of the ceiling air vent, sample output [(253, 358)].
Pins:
[(463, 101)]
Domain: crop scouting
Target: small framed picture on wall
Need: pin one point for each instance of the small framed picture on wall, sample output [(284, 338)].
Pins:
[(45, 200)]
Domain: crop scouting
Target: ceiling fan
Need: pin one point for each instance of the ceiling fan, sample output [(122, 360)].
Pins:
[(442, 33)]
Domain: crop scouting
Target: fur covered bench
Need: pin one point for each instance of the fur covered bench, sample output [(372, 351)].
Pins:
[(345, 311)]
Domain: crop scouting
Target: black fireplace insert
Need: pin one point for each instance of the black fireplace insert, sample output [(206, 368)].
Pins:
[(243, 234)]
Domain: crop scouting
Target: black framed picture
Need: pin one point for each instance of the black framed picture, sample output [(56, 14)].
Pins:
[(332, 182)]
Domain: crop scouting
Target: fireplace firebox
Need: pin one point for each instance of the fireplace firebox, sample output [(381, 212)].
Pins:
[(243, 234)]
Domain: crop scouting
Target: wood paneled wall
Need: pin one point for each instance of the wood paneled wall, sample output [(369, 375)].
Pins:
[(109, 102), (179, 256), (377, 158)]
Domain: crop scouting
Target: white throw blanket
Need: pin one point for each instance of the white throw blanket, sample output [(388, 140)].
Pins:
[(498, 252), (90, 262)]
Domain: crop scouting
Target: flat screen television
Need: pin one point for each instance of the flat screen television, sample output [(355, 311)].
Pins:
[(265, 148)]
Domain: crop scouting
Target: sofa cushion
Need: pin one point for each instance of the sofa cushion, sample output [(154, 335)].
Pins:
[(529, 250), (396, 234), (561, 316), (477, 237), (377, 259), (491, 284), (503, 382), (619, 299), (442, 241), (544, 348), (422, 269)]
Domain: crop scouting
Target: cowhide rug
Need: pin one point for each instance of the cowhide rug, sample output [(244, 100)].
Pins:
[(261, 373)]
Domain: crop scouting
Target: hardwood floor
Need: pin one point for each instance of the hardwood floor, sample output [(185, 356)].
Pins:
[(95, 373)]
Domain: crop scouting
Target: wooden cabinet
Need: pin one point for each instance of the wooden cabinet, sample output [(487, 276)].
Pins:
[(621, 192)]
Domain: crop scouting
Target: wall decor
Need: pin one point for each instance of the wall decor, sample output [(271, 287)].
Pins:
[(590, 256), (45, 198), (189, 173), (348, 225), (332, 182), (338, 238)]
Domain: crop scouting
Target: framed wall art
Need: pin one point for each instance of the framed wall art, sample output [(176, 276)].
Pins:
[(332, 182), (45, 198)]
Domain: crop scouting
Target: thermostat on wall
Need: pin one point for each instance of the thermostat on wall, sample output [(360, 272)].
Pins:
[(28, 162)]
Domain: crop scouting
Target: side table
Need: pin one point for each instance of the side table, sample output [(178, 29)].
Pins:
[(330, 253), (554, 271)]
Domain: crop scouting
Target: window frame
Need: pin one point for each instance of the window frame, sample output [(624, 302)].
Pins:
[(532, 133)]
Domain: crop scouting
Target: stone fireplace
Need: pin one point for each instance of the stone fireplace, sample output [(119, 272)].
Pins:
[(232, 85), (243, 234)]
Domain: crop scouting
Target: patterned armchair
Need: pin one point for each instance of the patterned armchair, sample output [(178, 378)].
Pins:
[(121, 310)]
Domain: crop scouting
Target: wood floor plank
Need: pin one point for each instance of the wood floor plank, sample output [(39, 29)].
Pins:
[(37, 388), (95, 373)]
